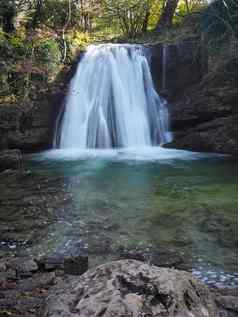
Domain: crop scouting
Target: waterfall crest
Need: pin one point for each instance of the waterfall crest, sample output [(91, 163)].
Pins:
[(112, 102)]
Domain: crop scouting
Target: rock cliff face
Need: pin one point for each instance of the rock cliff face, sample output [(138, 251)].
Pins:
[(205, 119), (10, 160), (30, 127), (26, 128), (177, 66), (203, 103)]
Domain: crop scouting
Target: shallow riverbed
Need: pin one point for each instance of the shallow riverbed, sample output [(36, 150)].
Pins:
[(103, 200)]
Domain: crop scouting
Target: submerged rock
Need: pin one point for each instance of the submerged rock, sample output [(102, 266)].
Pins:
[(70, 264), (76, 265), (158, 257), (24, 267), (132, 288)]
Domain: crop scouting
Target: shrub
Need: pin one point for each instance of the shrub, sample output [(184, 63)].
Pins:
[(47, 51)]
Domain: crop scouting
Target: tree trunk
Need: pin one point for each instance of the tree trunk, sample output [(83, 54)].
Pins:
[(167, 15), (65, 28), (37, 14), (8, 15), (146, 19)]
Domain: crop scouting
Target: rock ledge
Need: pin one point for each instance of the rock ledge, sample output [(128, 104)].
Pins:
[(132, 288)]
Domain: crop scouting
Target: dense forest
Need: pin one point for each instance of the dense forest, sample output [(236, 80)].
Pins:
[(39, 37)]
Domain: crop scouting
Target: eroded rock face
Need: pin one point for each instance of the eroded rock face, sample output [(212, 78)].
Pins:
[(10, 159), (132, 288), (175, 66), (29, 125), (26, 128), (205, 118), (203, 101)]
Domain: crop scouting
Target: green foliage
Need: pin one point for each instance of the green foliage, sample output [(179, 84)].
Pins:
[(156, 8), (18, 45), (7, 15), (27, 65), (187, 9), (5, 47), (44, 28), (47, 55), (220, 20), (131, 16), (54, 14), (77, 41), (47, 51), (14, 47), (7, 7)]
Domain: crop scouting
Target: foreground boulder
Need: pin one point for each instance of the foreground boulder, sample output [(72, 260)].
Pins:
[(131, 288)]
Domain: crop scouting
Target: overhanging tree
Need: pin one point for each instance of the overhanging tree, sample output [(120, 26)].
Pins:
[(7, 15), (131, 15), (168, 11)]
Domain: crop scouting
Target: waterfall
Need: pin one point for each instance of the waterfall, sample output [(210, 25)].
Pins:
[(112, 102), (164, 67)]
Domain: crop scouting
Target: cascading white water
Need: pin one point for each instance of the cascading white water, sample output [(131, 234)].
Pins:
[(164, 65), (112, 102)]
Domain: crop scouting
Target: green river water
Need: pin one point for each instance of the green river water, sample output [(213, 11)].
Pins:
[(154, 198)]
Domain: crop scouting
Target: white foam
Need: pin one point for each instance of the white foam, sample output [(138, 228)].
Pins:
[(123, 154)]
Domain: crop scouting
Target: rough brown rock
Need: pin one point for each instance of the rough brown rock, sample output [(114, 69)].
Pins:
[(29, 125), (205, 116), (11, 159), (27, 128), (185, 65), (24, 284), (203, 101), (227, 302), (132, 288)]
